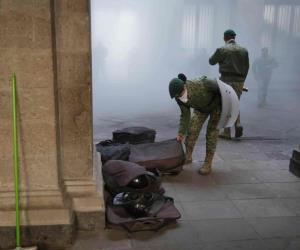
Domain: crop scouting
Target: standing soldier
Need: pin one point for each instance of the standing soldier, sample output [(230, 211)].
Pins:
[(233, 63), (262, 69), (203, 95)]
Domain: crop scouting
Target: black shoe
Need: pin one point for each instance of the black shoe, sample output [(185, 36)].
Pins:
[(238, 131)]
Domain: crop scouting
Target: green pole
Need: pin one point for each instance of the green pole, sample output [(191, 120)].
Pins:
[(15, 158)]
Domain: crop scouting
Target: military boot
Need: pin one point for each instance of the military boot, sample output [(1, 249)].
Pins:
[(188, 156), (226, 134), (238, 131), (206, 167)]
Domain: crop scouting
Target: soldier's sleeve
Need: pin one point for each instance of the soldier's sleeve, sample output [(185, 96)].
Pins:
[(185, 117), (216, 57)]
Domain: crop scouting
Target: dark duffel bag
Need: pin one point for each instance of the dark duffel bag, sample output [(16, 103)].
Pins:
[(160, 211), (167, 156), (113, 151), (124, 176), (134, 135)]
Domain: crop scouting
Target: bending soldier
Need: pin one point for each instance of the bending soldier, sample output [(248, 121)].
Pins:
[(203, 96)]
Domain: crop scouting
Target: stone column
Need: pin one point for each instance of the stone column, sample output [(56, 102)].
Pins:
[(73, 48), (26, 48), (46, 42)]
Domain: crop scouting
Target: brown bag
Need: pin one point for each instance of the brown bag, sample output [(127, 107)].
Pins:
[(167, 156), (118, 216)]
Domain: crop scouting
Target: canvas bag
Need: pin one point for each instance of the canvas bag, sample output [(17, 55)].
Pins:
[(118, 177), (134, 135), (119, 216), (167, 156), (113, 151)]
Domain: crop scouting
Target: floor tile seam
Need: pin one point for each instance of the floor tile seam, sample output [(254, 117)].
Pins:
[(282, 182), (193, 202), (201, 200), (259, 217), (240, 219), (273, 195), (261, 198), (297, 217), (257, 236), (285, 205), (238, 183)]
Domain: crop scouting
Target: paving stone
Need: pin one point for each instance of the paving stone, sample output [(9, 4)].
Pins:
[(234, 177), (251, 165), (147, 238), (276, 227), (276, 176), (245, 245), (224, 230), (181, 233), (263, 208), (280, 164), (247, 191), (276, 243), (189, 193), (292, 204), (229, 156), (190, 176), (277, 155), (294, 244), (103, 239), (210, 210), (285, 190)]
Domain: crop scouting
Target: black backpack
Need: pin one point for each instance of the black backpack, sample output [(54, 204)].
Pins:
[(134, 135), (113, 151)]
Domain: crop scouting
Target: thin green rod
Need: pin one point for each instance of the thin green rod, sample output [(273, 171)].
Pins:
[(15, 158)]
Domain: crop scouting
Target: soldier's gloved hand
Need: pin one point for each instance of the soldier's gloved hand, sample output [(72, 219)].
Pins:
[(180, 138)]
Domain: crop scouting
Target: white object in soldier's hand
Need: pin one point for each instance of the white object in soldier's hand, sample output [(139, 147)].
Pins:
[(230, 105)]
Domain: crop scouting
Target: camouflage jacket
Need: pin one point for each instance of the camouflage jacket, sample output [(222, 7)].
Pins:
[(203, 95), (233, 62)]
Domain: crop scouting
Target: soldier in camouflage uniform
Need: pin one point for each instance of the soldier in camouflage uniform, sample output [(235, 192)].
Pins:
[(233, 63), (262, 69), (203, 96)]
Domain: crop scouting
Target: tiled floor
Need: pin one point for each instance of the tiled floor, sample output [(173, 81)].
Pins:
[(250, 200)]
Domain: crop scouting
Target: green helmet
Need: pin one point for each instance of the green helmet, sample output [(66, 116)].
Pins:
[(176, 86), (229, 32)]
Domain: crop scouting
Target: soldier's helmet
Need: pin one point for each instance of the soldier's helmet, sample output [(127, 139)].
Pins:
[(176, 86), (229, 32)]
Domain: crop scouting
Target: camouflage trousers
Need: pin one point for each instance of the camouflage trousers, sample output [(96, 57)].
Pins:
[(238, 88), (212, 132)]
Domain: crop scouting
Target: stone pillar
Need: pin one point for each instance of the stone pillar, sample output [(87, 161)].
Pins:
[(73, 48), (46, 42), (26, 48)]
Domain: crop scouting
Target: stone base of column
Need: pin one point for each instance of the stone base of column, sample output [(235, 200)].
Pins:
[(45, 221), (87, 204)]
